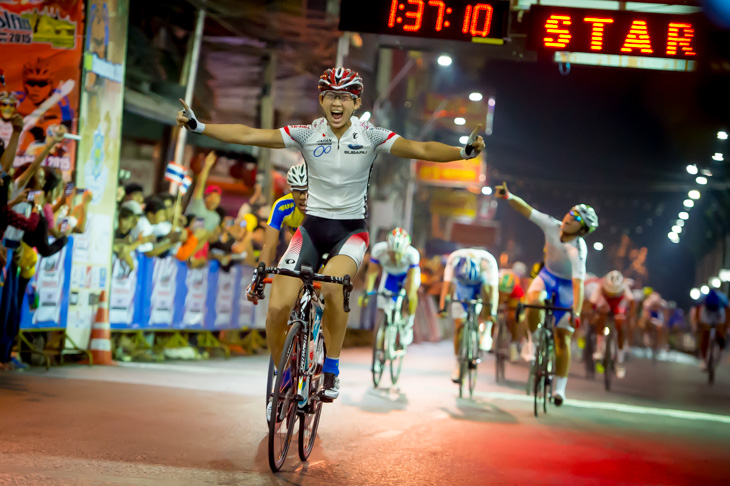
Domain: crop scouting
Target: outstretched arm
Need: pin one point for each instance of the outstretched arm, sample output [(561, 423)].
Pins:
[(230, 133), (57, 138), (516, 202), (203, 177), (9, 155), (437, 151)]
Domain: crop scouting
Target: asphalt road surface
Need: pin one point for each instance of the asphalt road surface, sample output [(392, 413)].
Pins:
[(204, 423)]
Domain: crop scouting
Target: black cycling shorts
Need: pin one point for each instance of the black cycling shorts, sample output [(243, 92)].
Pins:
[(317, 237)]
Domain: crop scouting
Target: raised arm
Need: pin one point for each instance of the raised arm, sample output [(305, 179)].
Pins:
[(203, 177), (57, 138), (6, 161), (230, 133), (437, 151), (516, 202)]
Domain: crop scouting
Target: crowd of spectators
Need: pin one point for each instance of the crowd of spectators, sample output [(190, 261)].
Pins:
[(37, 214), (194, 229)]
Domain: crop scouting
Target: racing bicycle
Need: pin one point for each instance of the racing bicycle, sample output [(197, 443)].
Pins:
[(469, 355), (387, 346)]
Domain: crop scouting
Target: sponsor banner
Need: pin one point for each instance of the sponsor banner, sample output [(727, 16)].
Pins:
[(460, 173), (196, 283), (453, 203), (50, 286), (40, 46), (124, 307), (162, 294)]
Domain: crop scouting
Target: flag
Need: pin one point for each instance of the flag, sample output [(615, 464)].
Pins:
[(187, 181), (175, 173)]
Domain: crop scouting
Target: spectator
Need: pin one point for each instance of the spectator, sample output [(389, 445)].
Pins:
[(133, 192), (206, 199), (164, 238), (123, 243), (196, 239)]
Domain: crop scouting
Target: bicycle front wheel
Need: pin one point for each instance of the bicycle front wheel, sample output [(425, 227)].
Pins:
[(378, 366), (309, 417), (501, 350), (588, 348), (473, 360), (396, 362), (608, 360), (711, 360), (284, 403), (270, 377)]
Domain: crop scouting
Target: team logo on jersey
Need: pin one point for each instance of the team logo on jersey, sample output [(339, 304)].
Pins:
[(353, 146), (326, 141), (321, 150), (355, 152)]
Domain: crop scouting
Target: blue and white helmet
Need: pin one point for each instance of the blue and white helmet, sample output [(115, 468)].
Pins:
[(468, 269)]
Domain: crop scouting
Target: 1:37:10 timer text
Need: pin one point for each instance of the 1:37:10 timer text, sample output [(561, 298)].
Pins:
[(476, 19)]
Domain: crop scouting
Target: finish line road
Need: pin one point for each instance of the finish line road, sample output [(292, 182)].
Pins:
[(204, 423)]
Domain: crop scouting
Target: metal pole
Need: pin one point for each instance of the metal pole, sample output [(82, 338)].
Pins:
[(191, 62), (267, 122)]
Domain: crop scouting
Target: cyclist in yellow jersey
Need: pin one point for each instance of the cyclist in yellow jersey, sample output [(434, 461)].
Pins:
[(288, 210)]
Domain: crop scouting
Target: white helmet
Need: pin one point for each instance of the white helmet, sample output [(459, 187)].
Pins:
[(399, 240), (613, 283), (297, 177)]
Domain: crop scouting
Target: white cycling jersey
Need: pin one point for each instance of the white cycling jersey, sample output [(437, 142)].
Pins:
[(338, 171), (564, 260), (490, 269), (379, 255)]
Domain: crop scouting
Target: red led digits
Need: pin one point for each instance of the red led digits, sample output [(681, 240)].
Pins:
[(440, 19), (597, 26), (552, 26), (638, 38), (684, 42), (393, 10), (488, 9), (417, 16)]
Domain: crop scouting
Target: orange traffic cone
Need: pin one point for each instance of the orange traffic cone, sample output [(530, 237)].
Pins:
[(101, 334)]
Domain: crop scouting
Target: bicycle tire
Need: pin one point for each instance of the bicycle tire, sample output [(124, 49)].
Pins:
[(309, 421), (548, 376), (378, 365), (473, 361), (711, 361), (530, 377), (396, 364), (270, 381), (539, 376), (463, 360), (289, 359), (502, 349), (588, 350), (608, 364)]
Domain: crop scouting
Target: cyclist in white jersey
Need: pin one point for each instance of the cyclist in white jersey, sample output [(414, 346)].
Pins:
[(399, 263), (563, 274), (471, 273), (339, 150)]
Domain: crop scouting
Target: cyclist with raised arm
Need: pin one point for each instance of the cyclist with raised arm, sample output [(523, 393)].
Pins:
[(288, 211), (562, 275), (397, 264), (471, 273), (711, 310), (613, 296), (511, 294), (339, 151)]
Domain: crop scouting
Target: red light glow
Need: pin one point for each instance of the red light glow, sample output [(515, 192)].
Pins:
[(417, 16), (638, 38), (674, 40), (440, 19), (467, 18), (391, 17), (552, 26), (488, 9), (597, 27)]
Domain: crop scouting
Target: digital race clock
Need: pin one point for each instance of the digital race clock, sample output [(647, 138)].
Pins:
[(463, 20)]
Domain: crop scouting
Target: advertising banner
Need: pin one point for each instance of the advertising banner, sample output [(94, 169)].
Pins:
[(124, 298), (195, 300), (40, 47), (102, 96), (162, 293), (461, 173)]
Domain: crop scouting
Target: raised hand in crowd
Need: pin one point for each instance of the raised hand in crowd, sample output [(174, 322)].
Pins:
[(22, 197)]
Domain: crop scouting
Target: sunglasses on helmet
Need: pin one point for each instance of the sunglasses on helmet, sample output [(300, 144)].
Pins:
[(576, 216)]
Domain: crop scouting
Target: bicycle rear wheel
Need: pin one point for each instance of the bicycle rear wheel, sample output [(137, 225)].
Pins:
[(608, 360), (309, 417), (378, 366), (284, 404), (396, 362)]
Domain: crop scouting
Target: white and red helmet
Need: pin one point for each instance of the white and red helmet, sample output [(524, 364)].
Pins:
[(399, 240), (341, 79)]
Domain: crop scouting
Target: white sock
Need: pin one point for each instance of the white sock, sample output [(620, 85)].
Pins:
[(621, 355), (560, 384)]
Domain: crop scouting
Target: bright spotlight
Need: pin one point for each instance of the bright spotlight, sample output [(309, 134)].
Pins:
[(683, 215), (491, 101), (705, 289), (688, 203), (598, 246), (701, 180), (718, 157), (460, 120), (486, 190), (680, 223), (722, 135), (476, 96), (692, 169), (694, 194), (677, 229), (444, 60), (725, 275), (673, 236), (715, 282), (365, 116), (695, 294)]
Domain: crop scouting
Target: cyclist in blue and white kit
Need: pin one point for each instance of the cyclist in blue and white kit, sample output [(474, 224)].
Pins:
[(471, 273), (339, 151), (399, 263), (563, 274)]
